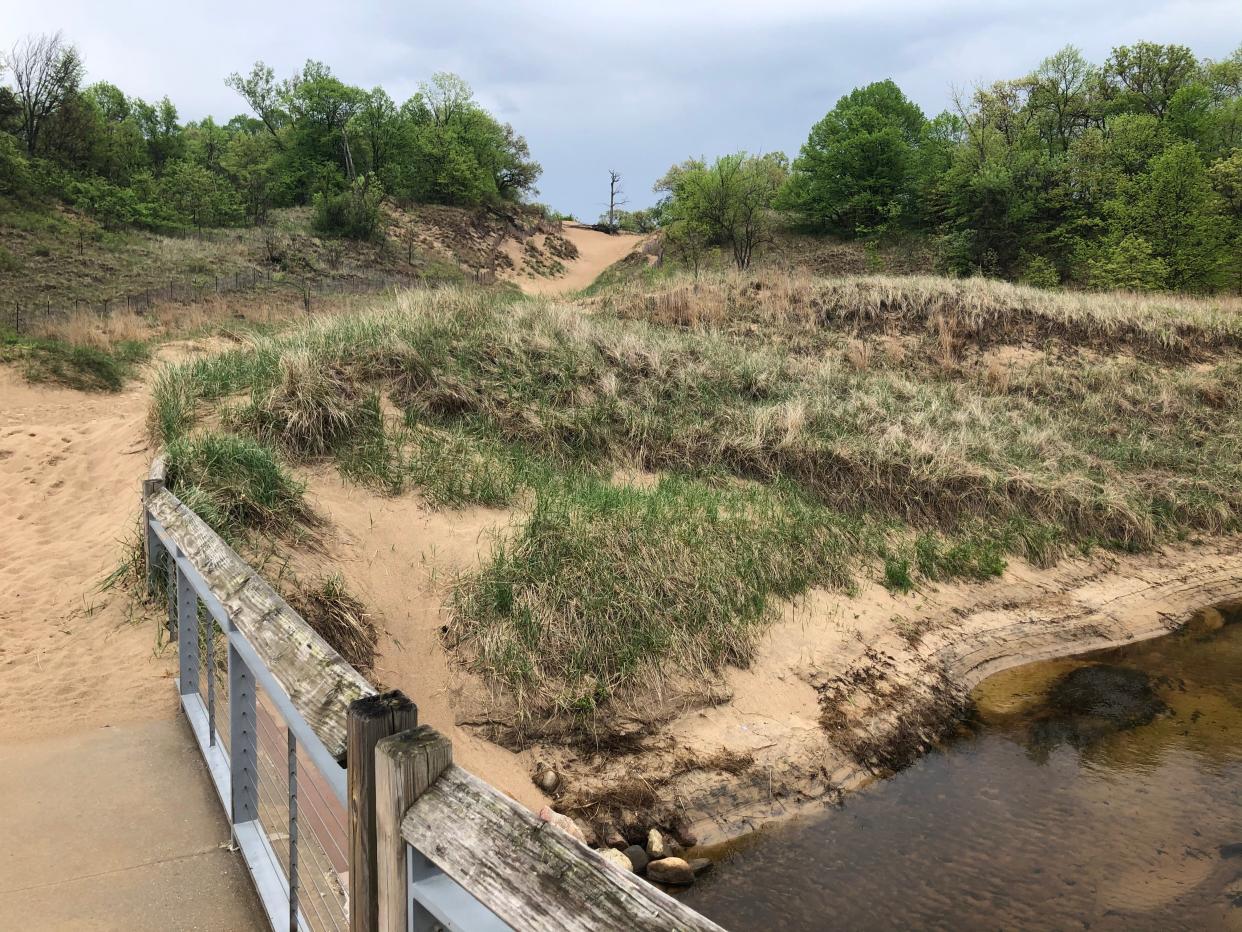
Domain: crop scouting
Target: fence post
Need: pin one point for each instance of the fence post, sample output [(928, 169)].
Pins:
[(370, 719), (243, 741), (187, 634), (149, 488), (17, 310), (406, 764)]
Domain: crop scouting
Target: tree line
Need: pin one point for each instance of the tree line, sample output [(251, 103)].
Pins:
[(309, 138), (1121, 175)]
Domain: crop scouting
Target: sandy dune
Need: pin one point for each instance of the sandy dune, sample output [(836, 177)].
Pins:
[(596, 251)]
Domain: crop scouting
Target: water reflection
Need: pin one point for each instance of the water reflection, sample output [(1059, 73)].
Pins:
[(1098, 792)]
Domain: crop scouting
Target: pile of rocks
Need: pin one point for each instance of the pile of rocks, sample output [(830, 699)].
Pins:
[(652, 852), (661, 859)]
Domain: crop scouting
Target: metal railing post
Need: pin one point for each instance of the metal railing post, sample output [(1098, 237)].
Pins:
[(172, 589), (243, 741), (187, 632), (211, 681), (150, 538), (293, 832)]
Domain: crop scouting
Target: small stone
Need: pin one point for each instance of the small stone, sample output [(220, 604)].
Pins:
[(548, 780), (637, 857), (656, 848), (700, 865), (617, 859), (672, 871), (563, 822), (613, 838), (685, 834)]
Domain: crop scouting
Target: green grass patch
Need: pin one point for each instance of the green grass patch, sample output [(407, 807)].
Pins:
[(85, 368), (603, 586)]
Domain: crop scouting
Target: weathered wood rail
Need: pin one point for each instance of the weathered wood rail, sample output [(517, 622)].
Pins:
[(355, 782)]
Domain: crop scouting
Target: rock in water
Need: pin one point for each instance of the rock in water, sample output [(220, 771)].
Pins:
[(700, 865), (673, 871), (563, 822), (1120, 695), (616, 858), (638, 857), (656, 849)]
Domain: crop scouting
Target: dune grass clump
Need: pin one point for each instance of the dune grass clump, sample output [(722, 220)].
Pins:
[(310, 410), (234, 484), (603, 587)]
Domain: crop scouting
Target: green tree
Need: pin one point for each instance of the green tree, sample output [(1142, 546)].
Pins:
[(199, 197), (857, 171), (731, 200), (1146, 76), (1174, 208)]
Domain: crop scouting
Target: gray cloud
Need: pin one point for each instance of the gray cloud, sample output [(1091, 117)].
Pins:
[(633, 86)]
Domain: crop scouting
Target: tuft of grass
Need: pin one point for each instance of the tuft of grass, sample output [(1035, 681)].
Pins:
[(310, 410), (340, 618), (897, 574), (235, 484)]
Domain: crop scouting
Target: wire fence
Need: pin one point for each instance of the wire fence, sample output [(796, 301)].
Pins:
[(29, 315)]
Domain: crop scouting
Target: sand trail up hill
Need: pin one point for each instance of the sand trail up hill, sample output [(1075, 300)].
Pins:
[(596, 252)]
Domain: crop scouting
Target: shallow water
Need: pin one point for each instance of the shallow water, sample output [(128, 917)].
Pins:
[(1035, 817)]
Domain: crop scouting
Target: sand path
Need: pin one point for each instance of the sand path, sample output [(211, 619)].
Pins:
[(596, 252), (107, 819)]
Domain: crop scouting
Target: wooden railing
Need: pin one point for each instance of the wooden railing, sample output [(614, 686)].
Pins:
[(356, 817)]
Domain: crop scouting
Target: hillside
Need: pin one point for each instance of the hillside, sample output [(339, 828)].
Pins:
[(751, 537)]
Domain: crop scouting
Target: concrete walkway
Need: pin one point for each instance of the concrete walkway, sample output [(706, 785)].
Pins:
[(117, 828)]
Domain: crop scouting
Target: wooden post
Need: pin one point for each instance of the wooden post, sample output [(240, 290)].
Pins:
[(370, 719), (406, 764)]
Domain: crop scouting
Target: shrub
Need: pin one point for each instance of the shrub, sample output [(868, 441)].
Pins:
[(1041, 273), (1128, 263), (353, 213)]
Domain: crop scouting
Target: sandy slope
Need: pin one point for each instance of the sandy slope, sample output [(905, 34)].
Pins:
[(835, 677), (70, 658), (596, 251)]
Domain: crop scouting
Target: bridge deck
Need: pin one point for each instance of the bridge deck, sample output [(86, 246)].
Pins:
[(117, 828)]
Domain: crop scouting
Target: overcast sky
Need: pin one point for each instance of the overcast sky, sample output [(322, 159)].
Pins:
[(632, 85)]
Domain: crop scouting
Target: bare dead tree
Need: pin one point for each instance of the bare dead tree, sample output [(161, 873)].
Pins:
[(616, 197), (47, 71)]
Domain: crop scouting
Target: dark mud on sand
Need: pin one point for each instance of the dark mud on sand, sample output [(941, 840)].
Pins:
[(1100, 792)]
